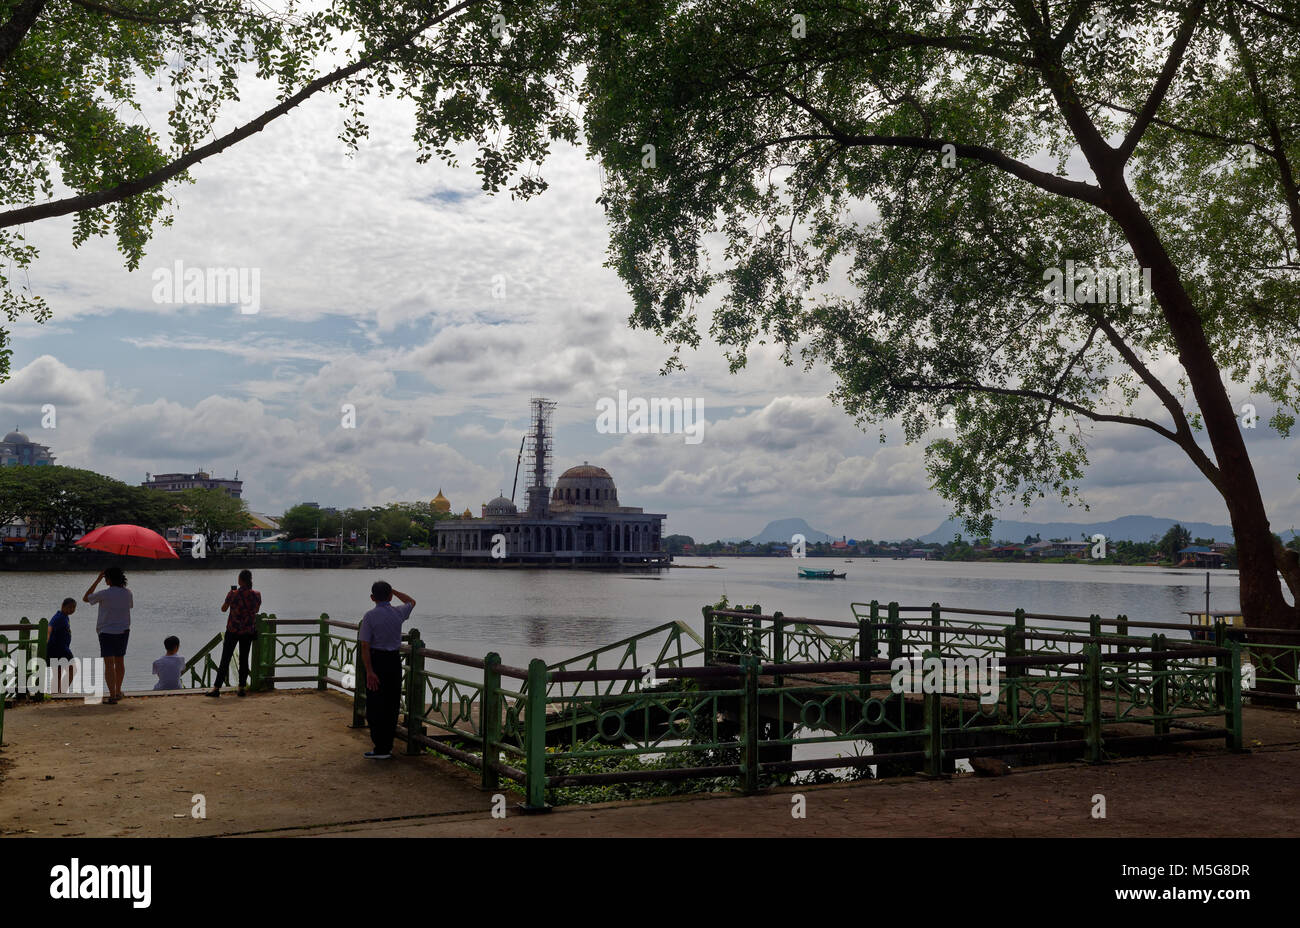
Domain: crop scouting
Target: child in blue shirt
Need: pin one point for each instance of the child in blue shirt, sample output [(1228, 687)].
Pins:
[(169, 667)]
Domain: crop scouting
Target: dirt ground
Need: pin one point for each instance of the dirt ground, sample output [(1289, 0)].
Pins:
[(271, 760), (286, 763)]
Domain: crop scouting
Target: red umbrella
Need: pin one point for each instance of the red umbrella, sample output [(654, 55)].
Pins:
[(131, 540)]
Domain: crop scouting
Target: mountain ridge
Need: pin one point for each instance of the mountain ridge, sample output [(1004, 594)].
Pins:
[(1124, 528)]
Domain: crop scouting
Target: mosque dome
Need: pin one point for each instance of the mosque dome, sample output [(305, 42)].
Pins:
[(18, 438), (441, 503), (585, 487), (499, 507), (467, 514)]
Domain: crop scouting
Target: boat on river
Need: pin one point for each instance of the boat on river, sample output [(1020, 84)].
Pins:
[(814, 573)]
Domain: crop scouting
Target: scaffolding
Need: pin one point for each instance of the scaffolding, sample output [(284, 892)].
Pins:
[(537, 447)]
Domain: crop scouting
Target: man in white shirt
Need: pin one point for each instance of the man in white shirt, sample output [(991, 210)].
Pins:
[(380, 639)]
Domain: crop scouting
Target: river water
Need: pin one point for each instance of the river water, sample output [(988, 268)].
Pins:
[(553, 614)]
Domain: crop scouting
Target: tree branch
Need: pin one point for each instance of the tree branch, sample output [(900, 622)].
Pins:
[(127, 189), (133, 16), (973, 387), (1229, 140), (1050, 182), (1072, 23), (1289, 187), (1182, 435), (15, 30), (1172, 63)]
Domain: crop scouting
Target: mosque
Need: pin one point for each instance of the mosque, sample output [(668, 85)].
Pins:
[(578, 522)]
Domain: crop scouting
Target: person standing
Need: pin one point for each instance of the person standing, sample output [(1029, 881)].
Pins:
[(380, 639), (113, 626), (243, 603), (59, 649)]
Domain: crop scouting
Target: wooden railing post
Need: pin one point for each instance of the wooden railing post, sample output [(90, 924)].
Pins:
[(749, 724), (895, 632), (414, 694), (535, 737), (1160, 686), (263, 656), (1092, 701), (933, 703), (1232, 715), (42, 654), (708, 635), (24, 634), (1220, 689), (4, 653), (1015, 648), (1121, 629), (358, 685), (867, 646), (489, 719), (778, 642), (323, 652)]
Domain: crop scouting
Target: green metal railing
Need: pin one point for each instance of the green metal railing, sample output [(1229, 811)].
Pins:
[(1053, 677), (673, 644), (739, 705), (30, 641)]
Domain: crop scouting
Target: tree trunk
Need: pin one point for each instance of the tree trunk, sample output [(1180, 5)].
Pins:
[(1262, 602)]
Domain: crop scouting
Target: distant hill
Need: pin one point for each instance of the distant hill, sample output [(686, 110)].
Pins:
[(1125, 528), (782, 530)]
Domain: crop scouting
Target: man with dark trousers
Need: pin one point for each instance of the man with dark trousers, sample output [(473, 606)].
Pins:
[(380, 638)]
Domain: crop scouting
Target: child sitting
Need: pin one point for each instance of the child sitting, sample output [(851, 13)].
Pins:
[(168, 667)]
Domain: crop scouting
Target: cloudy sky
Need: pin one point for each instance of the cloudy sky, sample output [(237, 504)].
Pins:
[(377, 289)]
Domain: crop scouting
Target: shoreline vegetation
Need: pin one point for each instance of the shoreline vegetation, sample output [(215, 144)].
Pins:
[(77, 561), (57, 504), (1176, 549)]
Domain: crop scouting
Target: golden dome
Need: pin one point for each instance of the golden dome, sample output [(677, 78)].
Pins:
[(441, 503), (467, 514)]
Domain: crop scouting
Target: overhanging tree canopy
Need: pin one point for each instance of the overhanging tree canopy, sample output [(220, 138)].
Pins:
[(948, 159), (75, 75)]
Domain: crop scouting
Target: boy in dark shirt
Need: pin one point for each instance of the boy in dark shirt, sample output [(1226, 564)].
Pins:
[(59, 647)]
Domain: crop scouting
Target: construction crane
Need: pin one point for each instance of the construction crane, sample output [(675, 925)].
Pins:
[(515, 485)]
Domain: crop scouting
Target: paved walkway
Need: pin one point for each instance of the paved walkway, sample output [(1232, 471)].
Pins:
[(286, 763)]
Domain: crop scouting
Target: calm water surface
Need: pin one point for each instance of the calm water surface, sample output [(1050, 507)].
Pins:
[(523, 614)]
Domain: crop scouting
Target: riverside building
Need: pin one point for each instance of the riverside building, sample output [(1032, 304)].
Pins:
[(16, 449), (577, 522)]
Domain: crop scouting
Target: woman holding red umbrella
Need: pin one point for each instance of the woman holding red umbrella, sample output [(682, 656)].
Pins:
[(113, 626), (115, 601)]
